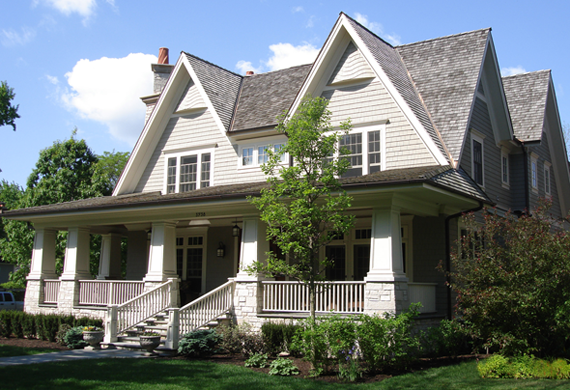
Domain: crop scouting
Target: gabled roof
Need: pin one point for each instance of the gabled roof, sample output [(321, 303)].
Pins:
[(445, 72), (263, 97), (221, 86), (526, 97)]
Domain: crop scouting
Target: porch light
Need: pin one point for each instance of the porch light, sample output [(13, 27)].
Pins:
[(235, 230), (221, 250)]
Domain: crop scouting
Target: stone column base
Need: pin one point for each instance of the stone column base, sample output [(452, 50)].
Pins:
[(248, 303), (385, 297)]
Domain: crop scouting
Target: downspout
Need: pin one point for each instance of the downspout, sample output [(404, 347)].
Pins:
[(448, 251)]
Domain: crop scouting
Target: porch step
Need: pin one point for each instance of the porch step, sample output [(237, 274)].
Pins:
[(162, 350)]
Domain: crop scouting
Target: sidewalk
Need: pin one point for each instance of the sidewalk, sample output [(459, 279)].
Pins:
[(72, 354)]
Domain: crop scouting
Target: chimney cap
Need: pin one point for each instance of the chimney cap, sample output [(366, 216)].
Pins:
[(163, 55), (249, 73)]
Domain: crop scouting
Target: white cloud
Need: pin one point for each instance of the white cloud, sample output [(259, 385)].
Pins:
[(509, 71), (107, 90), (244, 66), (311, 22), (52, 79), (286, 55), (377, 28), (84, 8), (298, 9), (13, 38)]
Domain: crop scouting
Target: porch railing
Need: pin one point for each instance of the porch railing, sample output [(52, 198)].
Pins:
[(338, 297), (424, 293), (143, 306), (207, 308), (51, 291), (108, 292)]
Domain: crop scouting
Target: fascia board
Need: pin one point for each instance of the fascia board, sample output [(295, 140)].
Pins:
[(147, 141), (406, 110)]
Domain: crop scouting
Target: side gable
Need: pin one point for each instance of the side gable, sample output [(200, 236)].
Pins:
[(193, 83)]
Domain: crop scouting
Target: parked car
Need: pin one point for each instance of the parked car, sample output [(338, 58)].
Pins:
[(7, 302)]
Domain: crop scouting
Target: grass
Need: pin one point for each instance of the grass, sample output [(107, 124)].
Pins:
[(8, 350), (182, 374)]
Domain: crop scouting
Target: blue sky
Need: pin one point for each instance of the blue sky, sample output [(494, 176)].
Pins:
[(85, 63)]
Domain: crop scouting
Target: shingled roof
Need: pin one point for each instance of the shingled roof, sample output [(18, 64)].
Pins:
[(526, 98), (444, 177), (221, 86), (445, 72), (263, 97), (392, 64)]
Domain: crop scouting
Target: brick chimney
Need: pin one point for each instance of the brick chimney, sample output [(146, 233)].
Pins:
[(249, 73), (161, 70), (163, 56)]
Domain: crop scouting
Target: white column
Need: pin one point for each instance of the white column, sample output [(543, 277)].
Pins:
[(386, 262), (137, 254), (162, 256), (254, 245), (76, 264), (110, 258), (43, 255)]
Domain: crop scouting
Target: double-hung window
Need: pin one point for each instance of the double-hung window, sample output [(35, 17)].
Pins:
[(364, 149), (256, 154), (188, 171), (505, 168), (534, 172), (477, 159)]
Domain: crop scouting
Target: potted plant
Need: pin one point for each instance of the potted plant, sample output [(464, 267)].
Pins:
[(93, 335), (149, 341)]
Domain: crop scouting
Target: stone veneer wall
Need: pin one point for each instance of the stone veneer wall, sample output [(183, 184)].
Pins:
[(385, 297)]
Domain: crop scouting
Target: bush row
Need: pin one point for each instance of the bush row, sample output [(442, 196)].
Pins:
[(41, 326), (523, 367)]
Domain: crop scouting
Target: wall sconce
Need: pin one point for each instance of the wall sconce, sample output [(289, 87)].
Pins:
[(235, 230), (221, 250)]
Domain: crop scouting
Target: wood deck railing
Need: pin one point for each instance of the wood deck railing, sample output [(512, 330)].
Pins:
[(51, 291), (206, 308), (108, 292), (338, 297)]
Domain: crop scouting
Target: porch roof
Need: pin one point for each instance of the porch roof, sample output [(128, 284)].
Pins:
[(445, 177)]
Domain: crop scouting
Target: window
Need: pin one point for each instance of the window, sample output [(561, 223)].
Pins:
[(352, 145), (365, 150), (534, 172), (505, 168), (374, 154), (255, 155), (547, 178), (477, 156), (188, 171)]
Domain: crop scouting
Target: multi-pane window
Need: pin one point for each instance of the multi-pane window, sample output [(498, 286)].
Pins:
[(547, 178), (534, 173), (505, 168), (188, 172), (258, 154), (189, 261), (262, 156), (374, 154), (351, 144), (478, 162)]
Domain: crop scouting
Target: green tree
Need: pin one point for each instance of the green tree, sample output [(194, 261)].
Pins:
[(8, 112), (66, 171), (304, 205), (512, 279)]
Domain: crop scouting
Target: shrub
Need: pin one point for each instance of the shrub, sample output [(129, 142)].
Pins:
[(312, 342), (49, 326), (73, 338), (283, 367), (450, 338), (29, 326), (62, 331), (522, 367), (278, 337), (198, 343), (6, 321), (258, 360), (17, 323), (240, 339)]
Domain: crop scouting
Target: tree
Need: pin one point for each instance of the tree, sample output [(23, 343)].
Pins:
[(8, 112), (304, 205), (66, 171), (512, 279)]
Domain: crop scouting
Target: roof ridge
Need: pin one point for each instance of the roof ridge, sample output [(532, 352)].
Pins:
[(211, 63), (367, 29), (445, 37), (280, 70), (527, 73)]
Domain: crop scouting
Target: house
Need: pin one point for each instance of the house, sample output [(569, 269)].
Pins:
[(437, 132)]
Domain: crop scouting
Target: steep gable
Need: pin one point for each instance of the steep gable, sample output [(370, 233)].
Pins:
[(190, 100), (351, 67)]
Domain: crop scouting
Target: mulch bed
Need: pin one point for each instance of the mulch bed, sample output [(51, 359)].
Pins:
[(303, 366)]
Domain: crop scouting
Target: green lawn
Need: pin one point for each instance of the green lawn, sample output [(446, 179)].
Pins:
[(182, 374), (8, 350)]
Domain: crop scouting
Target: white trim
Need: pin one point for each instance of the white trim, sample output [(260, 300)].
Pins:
[(177, 156), (475, 136), (260, 143)]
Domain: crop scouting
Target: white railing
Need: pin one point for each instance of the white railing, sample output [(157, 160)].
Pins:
[(423, 293), (144, 306), (108, 292), (338, 297), (207, 308), (51, 291)]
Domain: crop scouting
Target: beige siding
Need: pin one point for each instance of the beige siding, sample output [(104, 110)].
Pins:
[(351, 66), (370, 102), (191, 98)]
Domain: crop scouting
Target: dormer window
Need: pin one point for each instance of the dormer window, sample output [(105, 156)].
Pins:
[(547, 179), (534, 172), (477, 158), (256, 154), (188, 171)]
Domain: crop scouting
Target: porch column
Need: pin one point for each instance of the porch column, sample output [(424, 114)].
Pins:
[(386, 284), (137, 254), (42, 267), (248, 292), (110, 259), (75, 268), (162, 255)]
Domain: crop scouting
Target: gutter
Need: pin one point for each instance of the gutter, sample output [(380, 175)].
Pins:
[(448, 251)]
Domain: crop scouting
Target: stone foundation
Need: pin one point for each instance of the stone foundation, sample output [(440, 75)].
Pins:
[(385, 297)]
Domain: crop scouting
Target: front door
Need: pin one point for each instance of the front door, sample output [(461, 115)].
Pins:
[(189, 265)]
